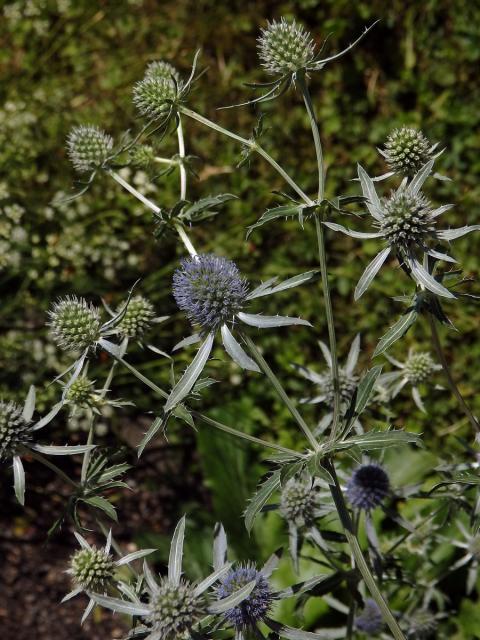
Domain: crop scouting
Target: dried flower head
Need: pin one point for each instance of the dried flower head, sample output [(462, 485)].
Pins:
[(368, 486), (92, 569), (298, 503), (88, 147), (406, 151), (14, 429), (256, 606), (209, 289), (137, 319), (419, 367), (154, 96), (285, 47), (160, 69), (74, 323), (175, 609), (370, 620), (407, 219)]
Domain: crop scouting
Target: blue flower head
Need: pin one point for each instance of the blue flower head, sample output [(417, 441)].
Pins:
[(368, 487), (256, 606), (370, 621), (209, 289)]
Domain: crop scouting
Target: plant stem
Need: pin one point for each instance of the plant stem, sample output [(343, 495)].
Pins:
[(251, 144), (53, 467), (146, 381), (281, 391), (244, 436), (448, 374), (362, 565), (153, 207), (322, 253)]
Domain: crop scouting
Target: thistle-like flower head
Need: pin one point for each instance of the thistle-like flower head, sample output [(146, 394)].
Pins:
[(298, 503), (423, 625), (175, 608), (419, 367), (74, 323), (14, 429), (81, 392), (285, 47), (406, 151), (92, 569), (88, 147), (256, 606), (370, 620), (407, 219), (368, 487), (137, 319), (142, 156), (161, 69), (153, 96), (209, 289)]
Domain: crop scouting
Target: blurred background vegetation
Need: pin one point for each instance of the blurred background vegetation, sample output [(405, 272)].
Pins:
[(67, 62)]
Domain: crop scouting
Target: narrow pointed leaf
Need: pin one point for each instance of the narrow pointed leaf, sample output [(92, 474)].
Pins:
[(157, 425), (452, 234), (290, 283), (260, 498), (366, 387), (67, 450), (418, 180), (191, 375), (353, 354), (236, 352), (395, 332), (212, 578), (19, 479), (368, 189), (49, 417), (186, 342), (422, 276), (370, 272), (266, 322), (120, 606), (29, 406), (353, 234), (103, 504), (233, 600), (176, 554), (219, 547), (135, 555)]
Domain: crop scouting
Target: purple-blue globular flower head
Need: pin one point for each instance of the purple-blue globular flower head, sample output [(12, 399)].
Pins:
[(368, 487), (370, 621), (256, 606), (209, 289)]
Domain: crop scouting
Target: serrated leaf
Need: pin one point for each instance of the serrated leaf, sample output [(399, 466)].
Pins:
[(365, 388), (283, 211), (260, 498), (267, 290), (379, 439), (102, 503), (395, 332), (154, 428), (202, 209)]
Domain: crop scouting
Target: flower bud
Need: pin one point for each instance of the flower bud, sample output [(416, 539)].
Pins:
[(406, 151), (160, 69), (406, 218), (14, 429), (142, 156), (137, 319), (285, 47), (88, 147), (80, 392), (74, 324), (175, 610), (298, 502), (92, 569), (419, 367), (154, 96)]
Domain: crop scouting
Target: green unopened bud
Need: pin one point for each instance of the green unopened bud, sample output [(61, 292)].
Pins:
[(80, 392), (160, 69), (175, 610), (419, 367), (406, 218), (406, 151), (137, 319), (285, 47), (298, 503), (142, 156), (14, 429), (88, 147), (154, 96), (74, 324), (92, 569)]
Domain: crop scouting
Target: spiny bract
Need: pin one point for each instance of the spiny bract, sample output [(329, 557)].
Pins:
[(137, 319), (285, 47), (368, 486), (88, 147), (154, 96), (92, 569), (406, 218), (209, 289), (419, 367), (74, 323), (14, 429), (175, 610), (406, 151), (253, 608), (298, 502)]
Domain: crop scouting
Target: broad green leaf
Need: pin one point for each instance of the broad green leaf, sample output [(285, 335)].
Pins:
[(395, 332), (203, 208), (191, 375)]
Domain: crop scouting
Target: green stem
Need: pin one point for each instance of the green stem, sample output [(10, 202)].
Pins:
[(322, 253), (275, 382), (360, 561), (146, 381), (53, 467), (244, 436), (251, 144), (153, 207), (448, 374)]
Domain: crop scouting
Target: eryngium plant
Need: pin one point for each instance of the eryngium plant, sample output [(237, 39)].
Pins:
[(328, 487)]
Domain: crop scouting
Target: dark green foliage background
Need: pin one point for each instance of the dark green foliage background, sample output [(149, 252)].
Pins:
[(74, 62)]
